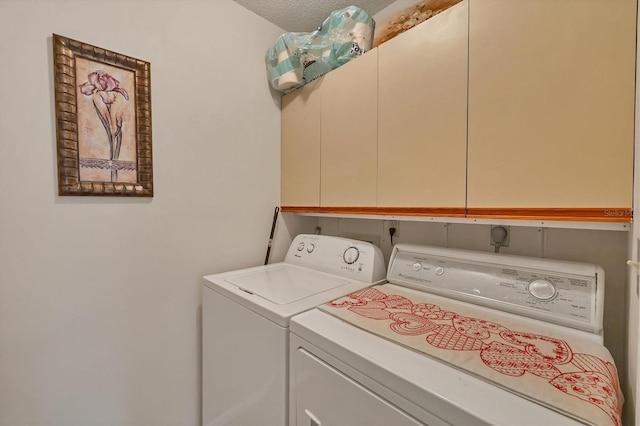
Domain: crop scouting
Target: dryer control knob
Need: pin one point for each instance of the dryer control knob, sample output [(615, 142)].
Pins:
[(300, 246), (542, 289), (417, 266), (311, 248)]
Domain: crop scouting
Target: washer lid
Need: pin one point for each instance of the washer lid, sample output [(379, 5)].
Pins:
[(282, 285)]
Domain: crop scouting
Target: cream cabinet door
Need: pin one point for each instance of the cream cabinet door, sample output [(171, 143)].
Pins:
[(349, 134), (551, 104), (422, 107), (300, 144)]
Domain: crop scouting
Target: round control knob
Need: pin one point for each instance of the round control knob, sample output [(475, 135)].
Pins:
[(351, 255), (300, 246), (439, 270), (311, 248), (542, 289), (417, 266)]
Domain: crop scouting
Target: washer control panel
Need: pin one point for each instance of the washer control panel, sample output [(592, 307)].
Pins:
[(566, 293), (354, 259)]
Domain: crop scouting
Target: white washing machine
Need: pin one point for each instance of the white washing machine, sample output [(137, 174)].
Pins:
[(245, 323), (412, 355)]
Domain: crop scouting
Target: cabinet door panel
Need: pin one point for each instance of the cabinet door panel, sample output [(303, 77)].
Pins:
[(349, 134), (423, 114), (300, 178), (551, 103)]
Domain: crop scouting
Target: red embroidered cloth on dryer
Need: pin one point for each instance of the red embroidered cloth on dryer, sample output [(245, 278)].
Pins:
[(577, 378)]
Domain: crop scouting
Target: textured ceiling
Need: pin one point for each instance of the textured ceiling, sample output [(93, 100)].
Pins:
[(306, 15)]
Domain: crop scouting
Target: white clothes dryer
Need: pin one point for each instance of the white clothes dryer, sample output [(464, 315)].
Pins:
[(379, 356), (245, 323)]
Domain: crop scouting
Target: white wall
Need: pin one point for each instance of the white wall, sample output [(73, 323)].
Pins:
[(100, 297)]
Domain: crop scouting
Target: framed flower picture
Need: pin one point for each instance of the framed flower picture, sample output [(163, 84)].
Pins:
[(103, 121)]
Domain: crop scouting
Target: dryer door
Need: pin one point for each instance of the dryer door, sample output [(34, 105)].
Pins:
[(326, 397)]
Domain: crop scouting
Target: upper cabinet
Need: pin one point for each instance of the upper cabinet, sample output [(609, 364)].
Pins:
[(349, 135), (551, 108), (300, 157), (493, 108), (329, 139), (422, 116)]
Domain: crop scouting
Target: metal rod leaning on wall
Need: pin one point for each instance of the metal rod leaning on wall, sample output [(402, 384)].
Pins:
[(273, 230)]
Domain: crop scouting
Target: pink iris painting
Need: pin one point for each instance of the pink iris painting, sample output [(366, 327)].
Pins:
[(106, 122)]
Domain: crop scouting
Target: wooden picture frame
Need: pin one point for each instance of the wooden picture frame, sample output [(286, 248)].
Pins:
[(103, 121)]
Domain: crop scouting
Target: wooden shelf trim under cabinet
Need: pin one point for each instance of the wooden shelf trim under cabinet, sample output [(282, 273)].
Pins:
[(299, 209), (388, 211), (615, 214)]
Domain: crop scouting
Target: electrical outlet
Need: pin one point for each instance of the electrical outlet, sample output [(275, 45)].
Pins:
[(394, 224)]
